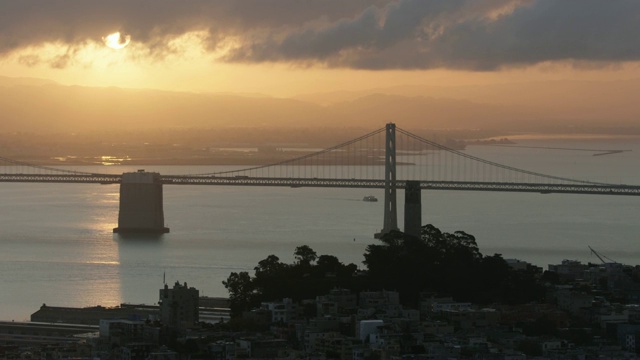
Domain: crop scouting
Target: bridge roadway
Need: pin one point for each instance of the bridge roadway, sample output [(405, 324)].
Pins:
[(596, 189)]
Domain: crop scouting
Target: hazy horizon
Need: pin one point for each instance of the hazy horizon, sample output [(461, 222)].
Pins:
[(31, 104), (510, 65)]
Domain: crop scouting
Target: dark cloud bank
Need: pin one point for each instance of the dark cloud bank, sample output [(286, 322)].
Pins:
[(367, 34)]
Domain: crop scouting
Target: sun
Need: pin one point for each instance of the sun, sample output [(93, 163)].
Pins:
[(117, 40)]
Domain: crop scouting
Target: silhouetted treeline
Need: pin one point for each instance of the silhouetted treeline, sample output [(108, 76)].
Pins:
[(311, 275), (449, 264), (437, 262)]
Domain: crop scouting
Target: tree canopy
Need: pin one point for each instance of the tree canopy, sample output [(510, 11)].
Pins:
[(274, 280), (445, 263), (438, 262)]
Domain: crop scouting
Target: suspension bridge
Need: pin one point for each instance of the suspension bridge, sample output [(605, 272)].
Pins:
[(388, 158)]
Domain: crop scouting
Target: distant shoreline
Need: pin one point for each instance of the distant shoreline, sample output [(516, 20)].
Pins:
[(169, 155), (544, 136)]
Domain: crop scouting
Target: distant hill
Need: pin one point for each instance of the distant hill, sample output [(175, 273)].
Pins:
[(75, 108), (428, 112), (574, 103), (45, 106)]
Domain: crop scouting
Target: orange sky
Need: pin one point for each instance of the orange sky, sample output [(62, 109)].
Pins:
[(194, 69), (288, 47), (575, 62)]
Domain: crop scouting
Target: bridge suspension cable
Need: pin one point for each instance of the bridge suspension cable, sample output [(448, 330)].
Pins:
[(495, 164), (297, 159), (359, 162), (418, 159)]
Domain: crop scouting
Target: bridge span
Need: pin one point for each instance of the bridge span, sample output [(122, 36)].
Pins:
[(378, 160), (402, 184), (548, 188)]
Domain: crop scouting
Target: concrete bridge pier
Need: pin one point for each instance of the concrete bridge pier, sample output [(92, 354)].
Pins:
[(412, 208), (141, 205)]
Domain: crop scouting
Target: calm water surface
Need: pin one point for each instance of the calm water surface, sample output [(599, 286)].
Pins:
[(57, 245)]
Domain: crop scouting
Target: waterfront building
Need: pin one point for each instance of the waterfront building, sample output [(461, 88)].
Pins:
[(179, 306), (93, 314)]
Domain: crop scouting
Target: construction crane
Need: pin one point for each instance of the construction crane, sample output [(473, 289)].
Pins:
[(601, 256)]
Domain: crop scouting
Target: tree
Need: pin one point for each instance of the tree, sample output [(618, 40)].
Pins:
[(448, 263), (269, 266), (270, 279), (305, 255), (329, 263), (241, 291)]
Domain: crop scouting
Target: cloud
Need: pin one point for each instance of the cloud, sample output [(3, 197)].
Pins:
[(547, 30), (367, 34)]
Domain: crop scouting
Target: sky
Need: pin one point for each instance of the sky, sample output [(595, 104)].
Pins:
[(290, 47)]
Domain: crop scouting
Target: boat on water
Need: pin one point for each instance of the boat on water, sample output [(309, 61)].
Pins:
[(370, 198)]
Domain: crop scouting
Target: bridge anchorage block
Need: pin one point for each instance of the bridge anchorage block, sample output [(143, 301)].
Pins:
[(141, 204)]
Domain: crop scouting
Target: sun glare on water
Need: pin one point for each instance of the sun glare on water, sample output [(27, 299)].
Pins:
[(117, 40)]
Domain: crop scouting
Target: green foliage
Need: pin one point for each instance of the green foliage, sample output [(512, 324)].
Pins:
[(241, 291), (445, 263), (305, 255), (275, 280)]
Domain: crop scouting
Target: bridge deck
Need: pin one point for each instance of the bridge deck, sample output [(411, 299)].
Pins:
[(603, 189)]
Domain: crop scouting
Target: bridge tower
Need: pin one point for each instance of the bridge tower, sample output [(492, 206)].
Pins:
[(141, 204), (390, 209), (412, 208)]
